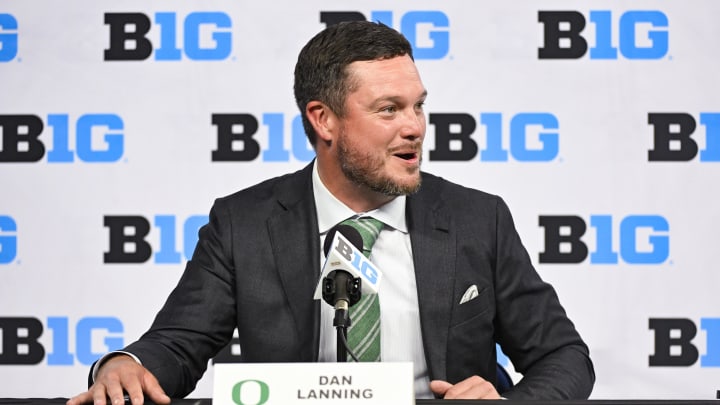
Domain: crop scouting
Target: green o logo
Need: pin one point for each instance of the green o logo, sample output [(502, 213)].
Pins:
[(264, 392)]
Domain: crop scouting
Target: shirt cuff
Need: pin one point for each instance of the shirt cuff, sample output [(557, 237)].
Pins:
[(106, 357)]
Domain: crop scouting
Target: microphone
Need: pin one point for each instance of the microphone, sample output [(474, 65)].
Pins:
[(345, 276), (343, 251), (339, 288)]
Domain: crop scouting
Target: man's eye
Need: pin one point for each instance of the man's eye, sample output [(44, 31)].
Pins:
[(389, 109)]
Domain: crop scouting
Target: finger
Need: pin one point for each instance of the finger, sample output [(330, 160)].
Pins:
[(115, 392), (440, 387), (132, 386), (99, 394), (472, 388), (152, 387), (79, 399)]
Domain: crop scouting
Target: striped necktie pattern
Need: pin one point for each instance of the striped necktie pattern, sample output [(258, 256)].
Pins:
[(364, 332)]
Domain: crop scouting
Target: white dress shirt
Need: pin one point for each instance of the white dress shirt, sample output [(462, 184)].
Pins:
[(400, 335)]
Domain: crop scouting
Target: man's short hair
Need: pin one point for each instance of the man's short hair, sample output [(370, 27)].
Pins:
[(321, 71)]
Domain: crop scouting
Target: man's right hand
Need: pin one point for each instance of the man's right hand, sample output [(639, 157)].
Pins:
[(119, 375)]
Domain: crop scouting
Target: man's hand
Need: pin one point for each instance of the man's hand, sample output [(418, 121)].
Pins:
[(470, 388), (122, 373)]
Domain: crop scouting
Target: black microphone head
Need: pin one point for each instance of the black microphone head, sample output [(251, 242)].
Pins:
[(350, 233)]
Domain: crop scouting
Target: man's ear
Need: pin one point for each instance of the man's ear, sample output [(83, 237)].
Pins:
[(323, 120)]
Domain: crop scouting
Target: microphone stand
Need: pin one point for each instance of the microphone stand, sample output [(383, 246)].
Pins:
[(341, 323), (342, 290)]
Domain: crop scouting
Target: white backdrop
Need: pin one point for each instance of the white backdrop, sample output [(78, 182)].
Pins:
[(135, 138)]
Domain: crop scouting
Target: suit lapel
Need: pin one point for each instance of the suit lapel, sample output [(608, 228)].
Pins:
[(296, 246), (433, 246)]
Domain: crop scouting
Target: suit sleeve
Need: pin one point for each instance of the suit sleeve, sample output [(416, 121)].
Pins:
[(533, 328), (198, 318)]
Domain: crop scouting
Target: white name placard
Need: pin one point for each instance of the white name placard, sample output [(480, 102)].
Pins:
[(313, 383)]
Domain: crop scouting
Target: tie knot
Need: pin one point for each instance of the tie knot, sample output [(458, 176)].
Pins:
[(369, 228)]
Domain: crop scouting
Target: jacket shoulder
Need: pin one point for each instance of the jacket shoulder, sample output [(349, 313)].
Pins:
[(436, 188), (284, 189)]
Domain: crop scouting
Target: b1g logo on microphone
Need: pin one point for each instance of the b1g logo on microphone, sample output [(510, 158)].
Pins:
[(21, 340), (674, 345), (532, 137), (345, 256), (8, 239), (642, 239), (128, 238), (427, 31), (238, 138), (673, 137), (357, 260), (203, 35), (97, 138), (641, 34), (8, 37)]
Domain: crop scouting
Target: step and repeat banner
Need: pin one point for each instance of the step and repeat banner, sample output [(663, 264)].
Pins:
[(597, 121)]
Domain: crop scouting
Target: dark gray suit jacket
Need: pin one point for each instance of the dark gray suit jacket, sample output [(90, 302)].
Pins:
[(256, 266)]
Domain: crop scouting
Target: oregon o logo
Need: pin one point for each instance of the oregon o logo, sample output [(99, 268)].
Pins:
[(262, 394)]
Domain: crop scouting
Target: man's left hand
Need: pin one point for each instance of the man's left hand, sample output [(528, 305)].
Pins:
[(473, 387)]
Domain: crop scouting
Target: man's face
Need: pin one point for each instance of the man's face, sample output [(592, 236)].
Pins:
[(380, 141)]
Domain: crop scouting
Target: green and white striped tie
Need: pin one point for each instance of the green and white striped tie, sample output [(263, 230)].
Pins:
[(364, 332)]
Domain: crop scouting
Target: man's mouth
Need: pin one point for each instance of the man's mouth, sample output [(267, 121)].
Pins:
[(407, 156)]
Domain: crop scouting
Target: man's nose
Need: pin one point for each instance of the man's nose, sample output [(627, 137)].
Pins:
[(413, 125)]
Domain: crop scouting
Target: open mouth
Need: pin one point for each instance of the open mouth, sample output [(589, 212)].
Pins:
[(407, 156)]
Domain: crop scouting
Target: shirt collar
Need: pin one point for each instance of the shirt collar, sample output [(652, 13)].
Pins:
[(331, 211)]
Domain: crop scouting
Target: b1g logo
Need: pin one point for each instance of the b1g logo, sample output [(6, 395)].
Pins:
[(237, 142), (128, 235), (21, 344), (129, 41), (8, 37), (672, 137), (21, 138), (8, 239), (641, 34), (673, 342), (427, 31), (453, 141), (563, 243)]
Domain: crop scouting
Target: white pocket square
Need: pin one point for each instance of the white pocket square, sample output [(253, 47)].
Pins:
[(470, 294)]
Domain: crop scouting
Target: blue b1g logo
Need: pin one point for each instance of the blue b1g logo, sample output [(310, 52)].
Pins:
[(673, 137), (676, 344), (427, 31), (8, 37), (564, 244), (22, 346), (128, 238), (129, 31), (21, 138), (239, 138), (563, 37), (454, 137)]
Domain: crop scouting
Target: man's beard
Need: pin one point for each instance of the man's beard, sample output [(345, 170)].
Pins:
[(366, 170)]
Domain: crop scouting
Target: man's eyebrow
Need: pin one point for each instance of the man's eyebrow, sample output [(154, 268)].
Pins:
[(396, 99)]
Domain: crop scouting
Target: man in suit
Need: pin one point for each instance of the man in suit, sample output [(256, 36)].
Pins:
[(457, 278)]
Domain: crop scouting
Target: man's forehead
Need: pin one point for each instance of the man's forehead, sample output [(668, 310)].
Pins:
[(384, 72)]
